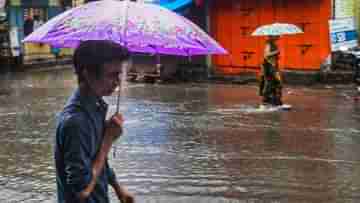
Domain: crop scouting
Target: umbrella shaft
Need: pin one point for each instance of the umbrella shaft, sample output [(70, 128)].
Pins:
[(118, 101)]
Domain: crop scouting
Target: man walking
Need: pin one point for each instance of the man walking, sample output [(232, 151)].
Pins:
[(83, 136)]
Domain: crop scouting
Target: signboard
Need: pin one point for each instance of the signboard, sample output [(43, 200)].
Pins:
[(343, 33), (54, 3), (344, 8), (2, 4), (2, 10), (14, 41)]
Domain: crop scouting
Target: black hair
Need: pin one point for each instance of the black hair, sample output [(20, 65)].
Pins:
[(93, 54)]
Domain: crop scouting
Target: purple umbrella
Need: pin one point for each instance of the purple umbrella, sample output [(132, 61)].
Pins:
[(148, 29), (145, 28)]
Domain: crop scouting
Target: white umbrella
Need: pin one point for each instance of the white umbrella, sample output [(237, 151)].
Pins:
[(277, 29)]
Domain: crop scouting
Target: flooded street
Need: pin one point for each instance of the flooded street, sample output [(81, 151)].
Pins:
[(192, 142)]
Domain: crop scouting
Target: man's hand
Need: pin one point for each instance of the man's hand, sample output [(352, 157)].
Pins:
[(126, 198), (123, 195), (114, 127)]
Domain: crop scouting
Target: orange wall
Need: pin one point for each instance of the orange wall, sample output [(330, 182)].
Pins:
[(233, 21)]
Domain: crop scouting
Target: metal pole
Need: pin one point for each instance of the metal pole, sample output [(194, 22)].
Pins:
[(123, 69), (125, 45)]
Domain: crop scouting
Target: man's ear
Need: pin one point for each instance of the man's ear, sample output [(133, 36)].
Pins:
[(86, 75)]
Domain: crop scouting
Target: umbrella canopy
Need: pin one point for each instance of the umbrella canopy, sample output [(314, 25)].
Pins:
[(277, 29), (145, 28)]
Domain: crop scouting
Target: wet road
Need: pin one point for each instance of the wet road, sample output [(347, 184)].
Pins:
[(192, 142)]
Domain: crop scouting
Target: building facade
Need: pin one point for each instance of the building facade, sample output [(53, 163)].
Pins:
[(25, 16), (233, 21)]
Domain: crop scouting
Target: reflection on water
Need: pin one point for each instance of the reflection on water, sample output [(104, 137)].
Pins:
[(194, 142)]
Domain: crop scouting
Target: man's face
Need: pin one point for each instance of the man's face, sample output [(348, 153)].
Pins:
[(105, 84)]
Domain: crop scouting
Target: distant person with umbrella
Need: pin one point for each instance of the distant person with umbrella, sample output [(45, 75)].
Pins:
[(270, 77), (270, 87)]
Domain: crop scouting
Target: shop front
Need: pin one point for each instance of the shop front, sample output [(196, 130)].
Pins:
[(27, 15), (233, 21)]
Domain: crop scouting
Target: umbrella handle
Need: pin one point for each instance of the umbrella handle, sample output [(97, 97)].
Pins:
[(125, 45), (118, 101)]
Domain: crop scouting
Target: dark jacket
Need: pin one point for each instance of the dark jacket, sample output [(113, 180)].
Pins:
[(79, 136)]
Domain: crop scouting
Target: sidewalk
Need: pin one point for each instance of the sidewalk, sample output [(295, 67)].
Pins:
[(47, 63), (291, 77)]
